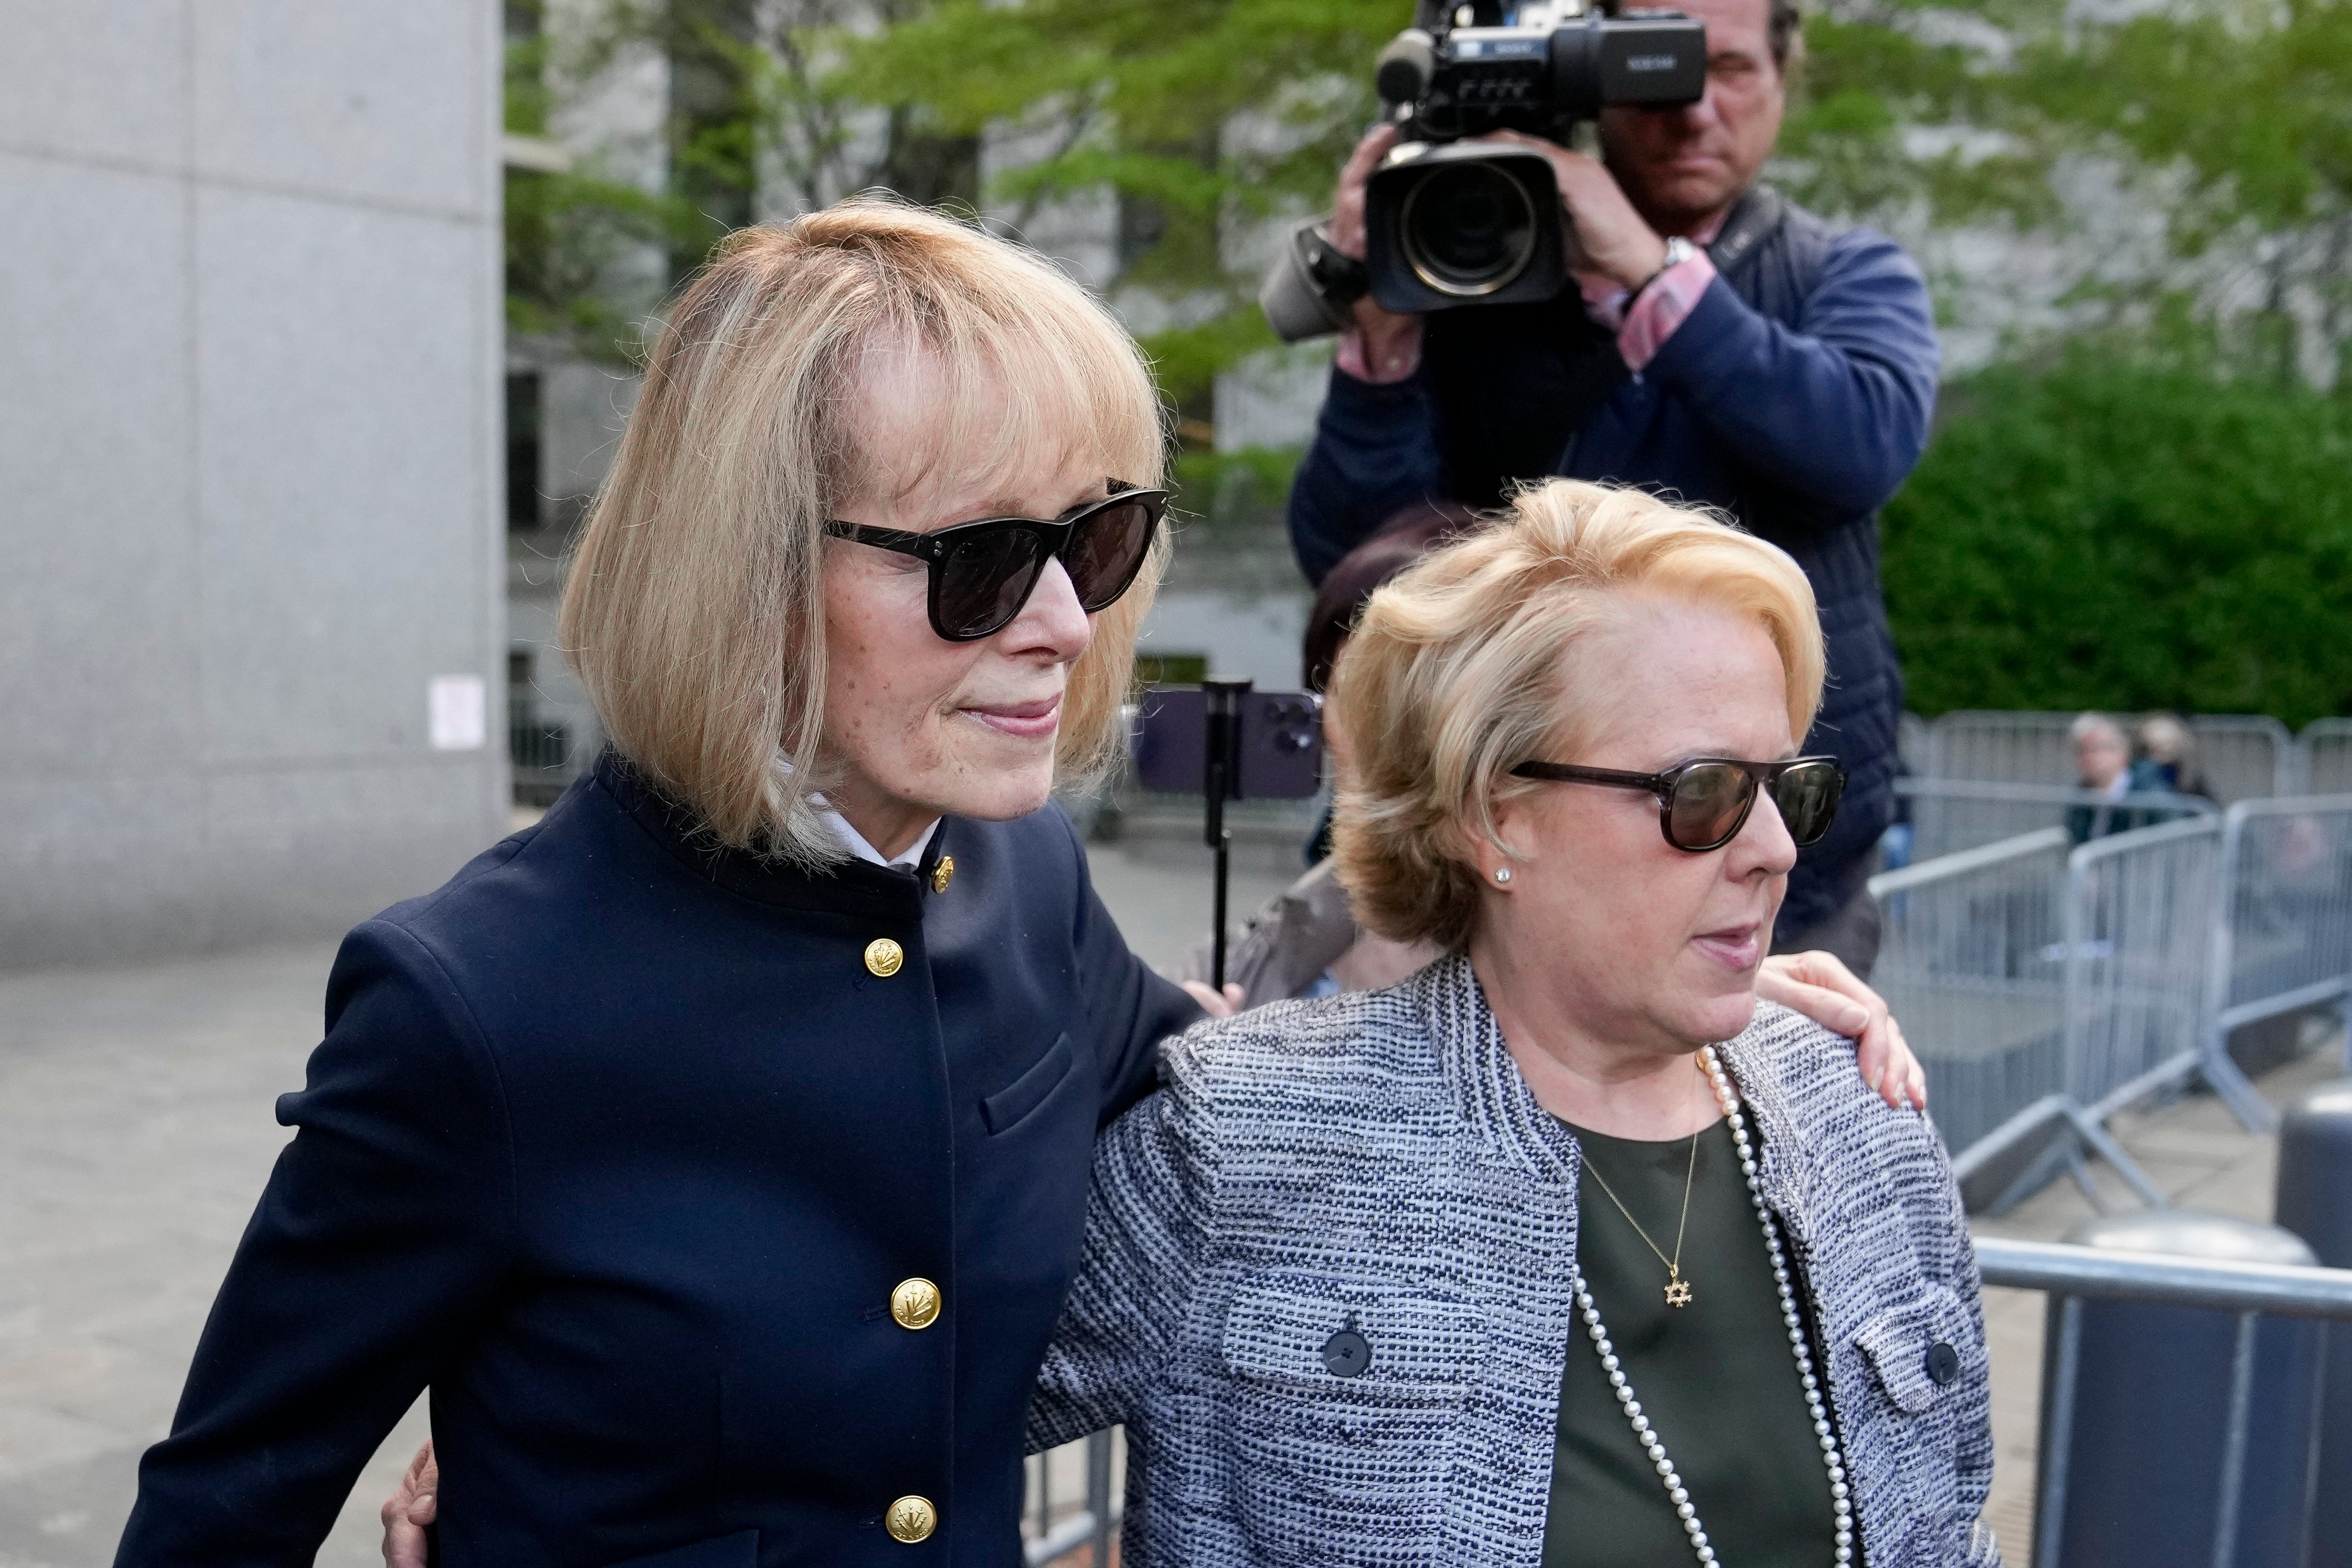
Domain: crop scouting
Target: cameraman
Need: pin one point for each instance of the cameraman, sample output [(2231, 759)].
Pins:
[(1720, 344)]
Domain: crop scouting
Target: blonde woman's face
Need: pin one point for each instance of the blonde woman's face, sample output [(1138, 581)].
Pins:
[(915, 726), (1638, 944)]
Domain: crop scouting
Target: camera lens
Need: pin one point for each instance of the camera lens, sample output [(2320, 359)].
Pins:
[(1467, 229)]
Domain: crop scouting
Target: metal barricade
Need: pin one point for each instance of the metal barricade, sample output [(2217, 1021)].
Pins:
[(1971, 959), (1949, 815), (1058, 1524), (2001, 748), (2325, 766), (2281, 938), (2242, 756), (1911, 739), (2067, 1274), (2041, 985), (2139, 915)]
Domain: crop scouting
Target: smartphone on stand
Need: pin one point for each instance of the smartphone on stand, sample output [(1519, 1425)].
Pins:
[(1228, 741)]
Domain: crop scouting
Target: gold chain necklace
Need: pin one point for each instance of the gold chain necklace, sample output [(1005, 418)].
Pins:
[(1678, 1290)]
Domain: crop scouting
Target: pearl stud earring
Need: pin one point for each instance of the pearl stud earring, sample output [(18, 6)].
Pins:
[(1502, 873)]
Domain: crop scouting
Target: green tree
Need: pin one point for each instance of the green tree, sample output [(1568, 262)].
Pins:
[(758, 110), (2125, 528), (1201, 115), (1205, 116), (566, 230), (2226, 116)]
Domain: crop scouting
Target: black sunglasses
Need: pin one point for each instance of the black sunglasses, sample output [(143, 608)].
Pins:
[(1704, 802), (982, 573)]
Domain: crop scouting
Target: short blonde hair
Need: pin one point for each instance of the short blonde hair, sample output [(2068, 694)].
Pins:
[(695, 609), (1459, 671)]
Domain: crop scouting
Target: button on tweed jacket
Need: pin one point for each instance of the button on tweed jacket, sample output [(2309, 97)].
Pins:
[(1375, 1160)]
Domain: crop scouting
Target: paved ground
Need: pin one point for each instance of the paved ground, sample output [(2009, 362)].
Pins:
[(136, 1128), (135, 1132)]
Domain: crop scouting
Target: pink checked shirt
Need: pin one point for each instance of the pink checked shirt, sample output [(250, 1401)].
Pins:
[(1641, 331)]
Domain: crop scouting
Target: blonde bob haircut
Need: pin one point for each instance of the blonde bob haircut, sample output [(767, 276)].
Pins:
[(1464, 666), (695, 611)]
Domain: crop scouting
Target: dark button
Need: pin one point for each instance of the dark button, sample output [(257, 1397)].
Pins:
[(1347, 1353), (1943, 1363)]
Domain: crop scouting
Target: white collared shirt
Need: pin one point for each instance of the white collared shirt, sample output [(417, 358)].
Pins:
[(855, 841)]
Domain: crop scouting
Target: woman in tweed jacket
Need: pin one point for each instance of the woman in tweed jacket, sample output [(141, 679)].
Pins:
[(1397, 1277)]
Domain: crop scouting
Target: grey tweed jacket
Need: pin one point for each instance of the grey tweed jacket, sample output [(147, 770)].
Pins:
[(1375, 1160)]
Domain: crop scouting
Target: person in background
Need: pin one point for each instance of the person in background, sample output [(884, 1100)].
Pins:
[(1339, 598), (2102, 767), (1722, 345), (2101, 755), (1400, 541), (2166, 758)]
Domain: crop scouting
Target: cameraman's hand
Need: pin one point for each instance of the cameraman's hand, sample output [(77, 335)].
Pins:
[(1605, 234), (1381, 346)]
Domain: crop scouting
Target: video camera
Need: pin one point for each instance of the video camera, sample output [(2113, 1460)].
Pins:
[(1448, 223)]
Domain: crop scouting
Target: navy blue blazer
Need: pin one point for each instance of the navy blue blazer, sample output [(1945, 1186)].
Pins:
[(617, 1144)]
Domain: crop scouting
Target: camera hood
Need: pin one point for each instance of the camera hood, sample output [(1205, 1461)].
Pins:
[(1311, 287), (1463, 222)]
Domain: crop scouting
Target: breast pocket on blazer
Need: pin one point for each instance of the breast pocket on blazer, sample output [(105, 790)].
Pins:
[(1343, 1404), (1925, 1349), (1322, 1340), (1013, 1104)]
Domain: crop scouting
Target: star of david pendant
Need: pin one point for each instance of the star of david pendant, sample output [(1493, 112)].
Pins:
[(1678, 1291)]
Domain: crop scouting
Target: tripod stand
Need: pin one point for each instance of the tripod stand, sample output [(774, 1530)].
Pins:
[(1221, 781)]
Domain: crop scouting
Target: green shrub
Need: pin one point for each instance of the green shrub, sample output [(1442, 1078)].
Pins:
[(2109, 532)]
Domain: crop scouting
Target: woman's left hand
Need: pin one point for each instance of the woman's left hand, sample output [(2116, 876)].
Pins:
[(1225, 1006), (1822, 988), (407, 1512)]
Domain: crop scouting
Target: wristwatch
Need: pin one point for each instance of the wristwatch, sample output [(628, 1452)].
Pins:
[(1678, 250)]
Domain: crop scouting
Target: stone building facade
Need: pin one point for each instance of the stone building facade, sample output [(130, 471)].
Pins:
[(251, 634)]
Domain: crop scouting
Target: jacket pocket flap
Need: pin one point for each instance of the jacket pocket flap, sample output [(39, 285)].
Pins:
[(1922, 1348), (1026, 1093), (740, 1550), (1368, 1341)]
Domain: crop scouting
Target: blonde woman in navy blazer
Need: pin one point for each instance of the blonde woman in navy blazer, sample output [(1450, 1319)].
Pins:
[(716, 1151)]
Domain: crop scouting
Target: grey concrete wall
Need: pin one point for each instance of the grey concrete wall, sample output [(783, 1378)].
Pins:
[(249, 449)]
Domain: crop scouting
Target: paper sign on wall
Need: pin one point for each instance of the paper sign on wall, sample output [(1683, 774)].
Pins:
[(456, 712)]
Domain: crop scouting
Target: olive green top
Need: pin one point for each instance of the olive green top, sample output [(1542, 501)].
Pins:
[(1716, 1378)]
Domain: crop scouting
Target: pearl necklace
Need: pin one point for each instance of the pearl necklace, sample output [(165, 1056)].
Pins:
[(1839, 1497)]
